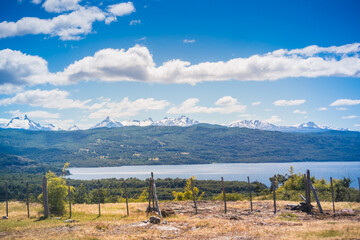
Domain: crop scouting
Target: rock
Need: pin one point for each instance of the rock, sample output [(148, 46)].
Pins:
[(164, 222), (4, 217), (167, 212), (234, 218), (346, 212), (154, 220), (56, 218), (70, 221)]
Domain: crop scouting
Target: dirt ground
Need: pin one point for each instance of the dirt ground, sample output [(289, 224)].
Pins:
[(210, 223)]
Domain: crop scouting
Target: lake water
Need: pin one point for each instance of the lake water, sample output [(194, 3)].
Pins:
[(230, 171)]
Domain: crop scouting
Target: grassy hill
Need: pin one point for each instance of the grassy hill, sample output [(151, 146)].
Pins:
[(172, 145)]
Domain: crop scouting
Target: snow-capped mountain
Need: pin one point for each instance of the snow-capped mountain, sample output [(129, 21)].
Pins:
[(23, 123), (304, 127), (51, 127), (182, 121), (143, 123), (254, 124), (3, 122), (108, 123), (73, 128)]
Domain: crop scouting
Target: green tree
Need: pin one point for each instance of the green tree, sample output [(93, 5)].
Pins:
[(188, 193), (80, 195)]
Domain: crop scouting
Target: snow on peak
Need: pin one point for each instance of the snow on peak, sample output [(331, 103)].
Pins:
[(23, 123), (73, 128), (253, 124), (108, 123), (51, 127), (182, 121), (309, 125), (143, 123)]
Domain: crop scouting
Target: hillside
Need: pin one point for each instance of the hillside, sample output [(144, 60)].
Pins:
[(175, 145)]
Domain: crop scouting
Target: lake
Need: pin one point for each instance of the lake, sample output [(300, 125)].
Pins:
[(230, 171)]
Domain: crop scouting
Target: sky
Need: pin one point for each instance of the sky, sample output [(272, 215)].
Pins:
[(285, 62)]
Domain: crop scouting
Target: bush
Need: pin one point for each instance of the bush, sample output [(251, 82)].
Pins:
[(188, 193)]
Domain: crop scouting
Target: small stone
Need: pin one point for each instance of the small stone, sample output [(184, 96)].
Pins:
[(346, 212), (4, 217), (154, 220), (70, 221), (164, 222), (166, 212), (56, 218)]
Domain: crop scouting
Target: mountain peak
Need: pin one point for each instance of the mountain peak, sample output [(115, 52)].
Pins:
[(108, 123)]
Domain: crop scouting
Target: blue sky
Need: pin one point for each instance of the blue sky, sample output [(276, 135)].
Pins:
[(286, 62)]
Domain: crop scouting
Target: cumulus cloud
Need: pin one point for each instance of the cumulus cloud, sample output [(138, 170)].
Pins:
[(225, 105), (58, 6), (35, 114), (137, 64), (189, 41), (121, 9), (71, 26), (283, 102), (126, 107), (345, 102), (67, 26), (43, 98), (298, 111), (350, 117), (36, 1), (274, 119)]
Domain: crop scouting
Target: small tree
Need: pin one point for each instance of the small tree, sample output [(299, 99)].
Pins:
[(188, 193), (57, 192)]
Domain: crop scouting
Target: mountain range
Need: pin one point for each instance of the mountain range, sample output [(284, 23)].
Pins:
[(183, 121)]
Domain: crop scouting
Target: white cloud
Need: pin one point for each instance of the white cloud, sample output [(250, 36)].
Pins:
[(350, 117), (127, 108), (226, 105), (48, 99), (273, 119), (18, 69), (345, 102), (36, 1), (135, 22), (256, 103), (121, 9), (283, 102), (322, 109), (298, 111), (58, 6), (71, 26), (67, 26), (357, 125), (189, 41), (35, 114), (341, 109), (9, 88), (137, 64)]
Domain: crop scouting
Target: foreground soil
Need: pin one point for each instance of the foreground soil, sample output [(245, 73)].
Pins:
[(210, 223)]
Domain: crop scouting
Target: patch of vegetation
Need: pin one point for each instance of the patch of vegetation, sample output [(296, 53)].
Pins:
[(288, 217)]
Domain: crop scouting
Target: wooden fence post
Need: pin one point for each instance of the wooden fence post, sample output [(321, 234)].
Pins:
[(274, 194), (194, 197), (251, 205), (332, 194), (45, 198), (27, 199), (6, 197), (149, 208), (155, 195), (99, 197), (308, 189), (316, 198), (224, 194), (126, 195), (69, 192), (152, 185)]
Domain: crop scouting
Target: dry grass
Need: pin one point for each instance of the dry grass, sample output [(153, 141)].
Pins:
[(210, 223)]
